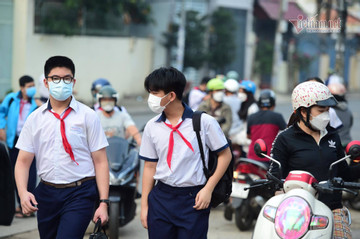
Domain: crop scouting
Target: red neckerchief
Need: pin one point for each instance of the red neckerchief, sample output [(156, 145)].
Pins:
[(171, 141), (66, 144)]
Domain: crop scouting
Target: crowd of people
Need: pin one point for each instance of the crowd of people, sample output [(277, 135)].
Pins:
[(62, 141)]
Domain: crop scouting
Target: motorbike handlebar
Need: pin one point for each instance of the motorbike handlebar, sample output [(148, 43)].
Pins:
[(336, 184), (259, 183), (352, 185)]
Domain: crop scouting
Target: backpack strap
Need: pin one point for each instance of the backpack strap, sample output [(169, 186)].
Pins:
[(10, 102), (196, 120)]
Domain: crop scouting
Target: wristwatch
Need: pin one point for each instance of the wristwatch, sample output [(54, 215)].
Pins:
[(105, 201)]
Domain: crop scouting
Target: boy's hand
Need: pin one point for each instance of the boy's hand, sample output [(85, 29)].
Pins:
[(102, 213), (203, 198), (143, 216), (2, 135), (28, 203)]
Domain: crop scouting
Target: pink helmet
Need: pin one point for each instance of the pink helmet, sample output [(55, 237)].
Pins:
[(337, 89), (311, 93)]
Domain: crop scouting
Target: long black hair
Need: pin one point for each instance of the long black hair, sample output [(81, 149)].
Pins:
[(243, 112)]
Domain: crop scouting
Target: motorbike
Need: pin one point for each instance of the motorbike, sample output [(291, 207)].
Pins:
[(297, 213), (123, 158), (246, 205)]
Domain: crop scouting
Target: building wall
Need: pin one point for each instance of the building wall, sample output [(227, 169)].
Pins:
[(125, 62), (6, 38)]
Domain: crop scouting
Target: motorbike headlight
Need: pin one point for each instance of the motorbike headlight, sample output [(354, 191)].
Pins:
[(292, 218)]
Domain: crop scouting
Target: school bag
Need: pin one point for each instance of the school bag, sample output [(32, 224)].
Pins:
[(98, 234), (223, 188)]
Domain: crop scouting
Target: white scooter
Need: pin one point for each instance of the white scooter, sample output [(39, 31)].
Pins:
[(297, 213)]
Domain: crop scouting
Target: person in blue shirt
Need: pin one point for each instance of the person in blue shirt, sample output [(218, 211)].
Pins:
[(178, 205), (14, 110)]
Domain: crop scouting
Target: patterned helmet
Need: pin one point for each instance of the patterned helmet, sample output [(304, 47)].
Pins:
[(311, 93), (231, 85), (248, 86)]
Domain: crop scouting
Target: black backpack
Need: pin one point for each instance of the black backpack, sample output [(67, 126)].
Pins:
[(223, 189)]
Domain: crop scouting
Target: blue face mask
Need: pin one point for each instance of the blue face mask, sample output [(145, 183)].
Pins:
[(30, 92), (60, 91)]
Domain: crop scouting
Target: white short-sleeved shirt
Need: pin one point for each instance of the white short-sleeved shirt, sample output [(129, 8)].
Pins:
[(195, 98), (186, 165), (41, 135), (117, 123), (234, 102)]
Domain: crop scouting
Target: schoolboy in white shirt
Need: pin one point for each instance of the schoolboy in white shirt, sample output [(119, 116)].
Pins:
[(178, 205), (69, 144)]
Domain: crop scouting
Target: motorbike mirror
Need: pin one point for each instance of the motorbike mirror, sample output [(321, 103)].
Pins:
[(353, 149), (260, 148)]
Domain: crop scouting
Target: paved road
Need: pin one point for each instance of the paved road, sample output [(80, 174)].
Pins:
[(219, 227)]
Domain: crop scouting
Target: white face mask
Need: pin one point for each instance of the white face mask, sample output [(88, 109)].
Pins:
[(154, 103), (320, 121), (218, 96), (108, 106), (242, 96)]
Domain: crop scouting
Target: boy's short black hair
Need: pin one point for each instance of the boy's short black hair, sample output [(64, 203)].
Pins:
[(167, 80), (25, 79), (205, 80), (59, 61)]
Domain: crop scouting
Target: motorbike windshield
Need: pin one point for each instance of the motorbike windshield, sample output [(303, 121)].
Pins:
[(117, 152)]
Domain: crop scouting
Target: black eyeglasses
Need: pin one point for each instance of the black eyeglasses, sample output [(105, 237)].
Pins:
[(57, 79)]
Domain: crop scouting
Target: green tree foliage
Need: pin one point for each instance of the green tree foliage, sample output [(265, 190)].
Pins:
[(264, 58), (222, 44), (194, 42), (71, 17), (194, 55)]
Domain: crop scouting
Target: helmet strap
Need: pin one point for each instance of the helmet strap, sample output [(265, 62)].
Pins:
[(307, 121)]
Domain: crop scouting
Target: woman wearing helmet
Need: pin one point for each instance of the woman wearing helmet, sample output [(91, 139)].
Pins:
[(115, 122), (248, 106), (215, 106), (309, 144), (230, 98)]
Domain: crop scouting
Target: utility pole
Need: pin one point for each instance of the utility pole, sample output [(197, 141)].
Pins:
[(181, 39), (341, 37), (205, 70), (277, 57)]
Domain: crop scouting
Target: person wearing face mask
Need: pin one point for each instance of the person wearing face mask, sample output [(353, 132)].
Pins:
[(14, 110), (115, 122), (311, 144), (248, 107), (69, 144), (215, 105), (175, 193)]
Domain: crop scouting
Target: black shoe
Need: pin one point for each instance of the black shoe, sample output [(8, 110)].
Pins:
[(138, 195)]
